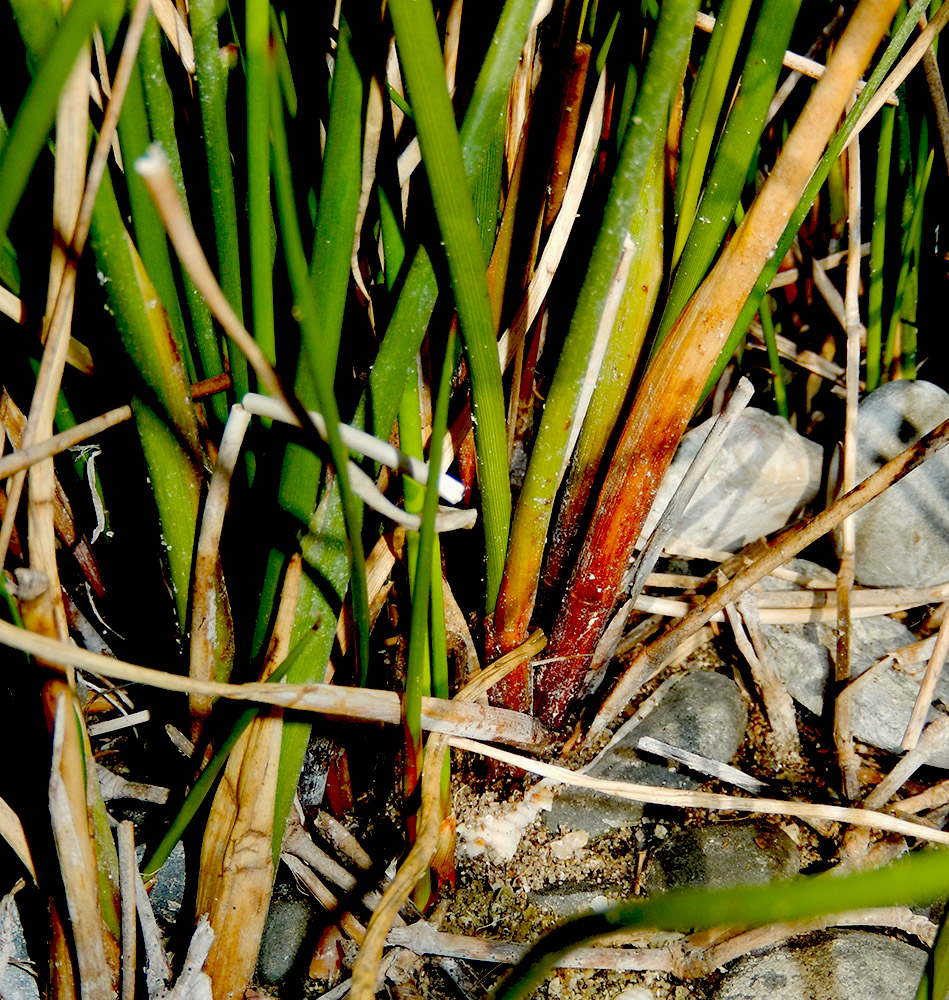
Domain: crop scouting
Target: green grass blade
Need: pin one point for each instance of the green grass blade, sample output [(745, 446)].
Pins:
[(878, 248), (910, 254), (259, 216), (161, 112), (734, 155), (918, 879), (420, 55), (705, 111), (147, 227), (339, 202), (834, 149), (169, 438), (211, 78), (306, 311), (774, 360), (35, 116), (548, 458)]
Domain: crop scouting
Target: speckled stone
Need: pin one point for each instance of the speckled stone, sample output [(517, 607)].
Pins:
[(849, 965), (724, 854), (284, 934), (703, 711)]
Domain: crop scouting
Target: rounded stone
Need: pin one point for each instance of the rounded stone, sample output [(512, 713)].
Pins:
[(902, 536), (850, 965)]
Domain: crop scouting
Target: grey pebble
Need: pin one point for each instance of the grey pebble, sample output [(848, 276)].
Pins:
[(284, 933), (902, 536), (849, 965), (764, 473), (724, 854), (803, 657), (703, 711), (15, 982)]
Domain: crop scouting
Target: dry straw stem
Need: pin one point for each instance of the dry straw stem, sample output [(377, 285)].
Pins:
[(779, 551), (423, 850), (689, 958), (798, 63), (236, 875), (11, 829), (75, 849), (152, 167), (58, 335), (928, 687), (26, 457), (207, 599), (674, 381), (714, 801), (365, 704)]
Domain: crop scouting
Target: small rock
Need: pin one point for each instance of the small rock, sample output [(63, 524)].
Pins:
[(746, 853), (168, 887), (635, 993), (902, 537), (702, 711), (569, 845), (764, 473), (803, 657), (850, 965), (284, 933), (570, 899), (15, 982)]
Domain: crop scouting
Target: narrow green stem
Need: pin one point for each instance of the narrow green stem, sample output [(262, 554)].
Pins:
[(878, 248), (420, 54)]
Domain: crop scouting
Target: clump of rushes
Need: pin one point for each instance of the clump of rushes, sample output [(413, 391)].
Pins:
[(358, 228)]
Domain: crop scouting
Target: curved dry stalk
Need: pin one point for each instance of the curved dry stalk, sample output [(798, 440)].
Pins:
[(207, 601), (423, 850), (686, 799)]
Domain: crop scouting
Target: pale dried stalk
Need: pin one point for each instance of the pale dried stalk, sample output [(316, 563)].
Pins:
[(11, 829), (560, 231), (932, 798), (366, 704), (689, 958), (798, 63), (903, 68), (933, 740), (774, 695), (706, 800), (26, 457), (787, 545), (128, 872), (76, 852), (236, 876), (426, 838), (927, 688), (177, 32), (847, 757), (208, 596), (47, 614)]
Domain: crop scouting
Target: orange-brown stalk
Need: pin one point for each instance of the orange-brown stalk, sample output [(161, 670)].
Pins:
[(670, 389)]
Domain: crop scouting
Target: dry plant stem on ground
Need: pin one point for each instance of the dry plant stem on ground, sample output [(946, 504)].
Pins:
[(681, 367), (367, 704), (784, 547)]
